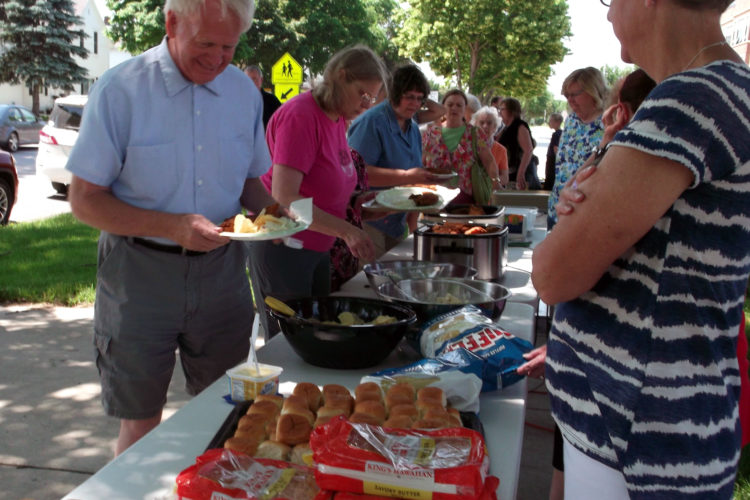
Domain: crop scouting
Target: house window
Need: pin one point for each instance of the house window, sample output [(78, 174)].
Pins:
[(96, 42)]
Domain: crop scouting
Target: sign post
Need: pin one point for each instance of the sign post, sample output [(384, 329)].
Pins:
[(286, 76)]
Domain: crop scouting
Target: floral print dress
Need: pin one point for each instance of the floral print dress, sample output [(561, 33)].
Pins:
[(576, 144), (435, 153), (344, 265)]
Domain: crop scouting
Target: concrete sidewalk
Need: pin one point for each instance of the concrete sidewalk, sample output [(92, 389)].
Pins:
[(53, 431)]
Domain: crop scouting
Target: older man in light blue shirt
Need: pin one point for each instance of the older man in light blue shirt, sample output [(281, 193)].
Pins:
[(171, 144)]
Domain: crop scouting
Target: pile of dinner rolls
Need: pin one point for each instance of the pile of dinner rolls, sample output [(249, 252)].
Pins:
[(279, 428)]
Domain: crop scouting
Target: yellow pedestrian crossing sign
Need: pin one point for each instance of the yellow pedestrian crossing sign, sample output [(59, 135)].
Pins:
[(286, 70), (284, 92)]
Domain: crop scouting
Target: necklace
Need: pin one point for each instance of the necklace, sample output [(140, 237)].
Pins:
[(701, 51)]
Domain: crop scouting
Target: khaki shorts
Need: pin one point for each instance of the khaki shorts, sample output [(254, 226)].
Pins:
[(151, 304)]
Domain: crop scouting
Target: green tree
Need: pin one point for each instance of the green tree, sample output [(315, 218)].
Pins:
[(504, 47), (137, 24), (613, 73), (40, 39)]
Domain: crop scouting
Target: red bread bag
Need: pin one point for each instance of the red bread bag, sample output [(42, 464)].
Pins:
[(443, 464), (221, 473)]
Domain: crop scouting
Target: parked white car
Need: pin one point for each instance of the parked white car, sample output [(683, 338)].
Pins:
[(57, 138)]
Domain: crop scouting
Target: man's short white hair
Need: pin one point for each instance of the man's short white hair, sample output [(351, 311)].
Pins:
[(245, 9)]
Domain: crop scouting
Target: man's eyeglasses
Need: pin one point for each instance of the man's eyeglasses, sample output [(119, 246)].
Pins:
[(367, 98), (414, 98), (606, 4)]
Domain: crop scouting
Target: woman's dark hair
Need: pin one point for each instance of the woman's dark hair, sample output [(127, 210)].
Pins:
[(513, 106), (635, 88), (405, 78), (455, 92)]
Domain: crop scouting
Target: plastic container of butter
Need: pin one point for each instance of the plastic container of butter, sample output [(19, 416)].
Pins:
[(246, 383)]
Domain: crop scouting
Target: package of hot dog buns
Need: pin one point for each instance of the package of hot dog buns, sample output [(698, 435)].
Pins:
[(220, 473), (488, 493), (444, 464), (499, 352)]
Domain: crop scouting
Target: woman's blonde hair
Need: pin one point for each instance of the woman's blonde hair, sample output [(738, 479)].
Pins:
[(357, 63), (592, 82)]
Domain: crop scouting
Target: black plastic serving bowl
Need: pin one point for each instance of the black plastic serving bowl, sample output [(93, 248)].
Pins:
[(338, 346)]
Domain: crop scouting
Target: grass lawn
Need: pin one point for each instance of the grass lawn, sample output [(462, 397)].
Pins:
[(54, 261)]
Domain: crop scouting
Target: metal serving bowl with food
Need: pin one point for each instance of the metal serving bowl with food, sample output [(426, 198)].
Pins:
[(431, 297), (344, 332), (397, 270)]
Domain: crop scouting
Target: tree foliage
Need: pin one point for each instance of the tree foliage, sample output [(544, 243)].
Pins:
[(311, 30), (40, 39), (487, 47)]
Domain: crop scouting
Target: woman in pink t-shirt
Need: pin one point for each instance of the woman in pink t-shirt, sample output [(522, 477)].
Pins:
[(311, 158)]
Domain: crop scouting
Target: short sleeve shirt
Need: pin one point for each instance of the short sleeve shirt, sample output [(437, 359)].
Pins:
[(301, 136), (161, 142), (642, 369)]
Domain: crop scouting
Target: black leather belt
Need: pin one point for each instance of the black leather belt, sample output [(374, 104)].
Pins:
[(177, 250)]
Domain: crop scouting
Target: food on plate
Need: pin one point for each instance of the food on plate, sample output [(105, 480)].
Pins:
[(269, 220), (399, 393), (256, 432), (252, 420), (334, 390), (311, 393), (297, 405), (439, 170), (365, 418), (399, 422), (425, 199), (462, 228)]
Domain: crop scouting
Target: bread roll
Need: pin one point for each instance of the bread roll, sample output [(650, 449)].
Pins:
[(293, 429), (439, 414), (302, 455), (273, 449), (253, 419), (368, 391), (274, 398), (408, 410), (311, 393), (403, 388), (365, 418), (427, 405), (424, 423), (399, 422), (455, 415), (297, 405), (345, 402), (256, 431), (267, 408), (398, 398), (325, 414), (247, 446), (334, 390), (431, 393), (374, 408)]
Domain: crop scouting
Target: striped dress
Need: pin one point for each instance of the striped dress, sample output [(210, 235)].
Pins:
[(642, 369)]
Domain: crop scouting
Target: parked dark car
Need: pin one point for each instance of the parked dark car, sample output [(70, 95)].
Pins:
[(8, 185), (18, 126)]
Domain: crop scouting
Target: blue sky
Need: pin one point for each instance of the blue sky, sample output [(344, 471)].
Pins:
[(593, 43)]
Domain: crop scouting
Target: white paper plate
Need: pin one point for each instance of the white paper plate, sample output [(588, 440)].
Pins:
[(273, 235), (398, 199), (450, 175)]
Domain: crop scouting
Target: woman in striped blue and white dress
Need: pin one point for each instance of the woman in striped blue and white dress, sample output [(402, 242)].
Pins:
[(649, 274)]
